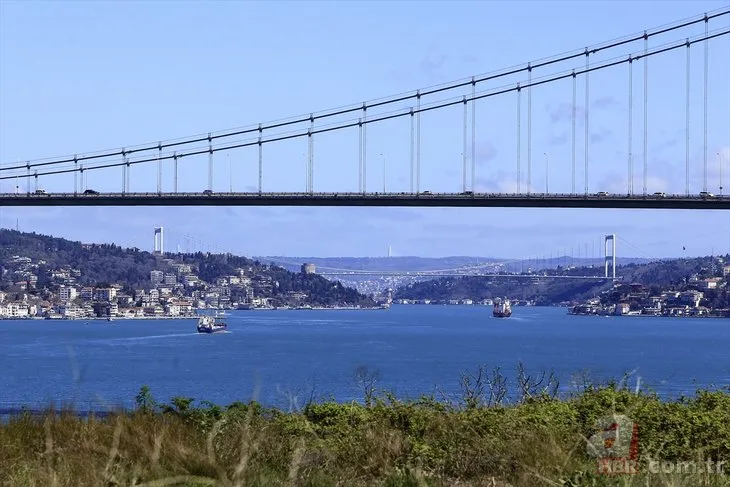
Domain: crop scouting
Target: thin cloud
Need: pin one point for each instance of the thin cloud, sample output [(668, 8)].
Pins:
[(562, 112), (605, 102), (615, 182), (485, 152), (601, 135), (501, 182), (558, 140), (432, 63)]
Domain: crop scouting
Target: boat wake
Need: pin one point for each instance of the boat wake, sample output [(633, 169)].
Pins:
[(519, 318), (146, 337)]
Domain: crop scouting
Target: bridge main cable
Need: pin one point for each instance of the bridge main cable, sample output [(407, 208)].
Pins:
[(345, 125), (530, 66)]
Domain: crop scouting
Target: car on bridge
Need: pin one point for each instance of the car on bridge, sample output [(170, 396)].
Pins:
[(660, 194), (706, 194), (209, 192), (602, 193), (40, 192), (90, 192)]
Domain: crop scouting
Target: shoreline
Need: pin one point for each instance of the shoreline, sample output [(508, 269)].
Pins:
[(181, 317), (96, 318), (645, 316)]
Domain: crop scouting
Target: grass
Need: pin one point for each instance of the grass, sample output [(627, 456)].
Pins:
[(538, 439)]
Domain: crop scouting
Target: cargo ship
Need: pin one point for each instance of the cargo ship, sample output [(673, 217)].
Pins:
[(208, 324), (502, 308)]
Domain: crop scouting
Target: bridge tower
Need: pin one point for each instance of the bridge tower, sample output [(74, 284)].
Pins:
[(610, 255), (159, 243)]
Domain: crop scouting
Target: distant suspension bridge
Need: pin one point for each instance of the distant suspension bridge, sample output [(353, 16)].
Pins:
[(491, 269)]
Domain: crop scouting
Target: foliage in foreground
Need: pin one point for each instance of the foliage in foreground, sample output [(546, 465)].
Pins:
[(479, 440)]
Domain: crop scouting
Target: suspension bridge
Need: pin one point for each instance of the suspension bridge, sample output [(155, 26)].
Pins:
[(462, 274), (266, 150), (557, 265)]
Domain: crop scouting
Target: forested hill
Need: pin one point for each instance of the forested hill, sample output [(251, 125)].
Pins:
[(103, 264), (542, 291), (98, 263), (668, 274)]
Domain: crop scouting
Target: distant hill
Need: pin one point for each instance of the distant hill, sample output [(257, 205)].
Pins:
[(659, 275)]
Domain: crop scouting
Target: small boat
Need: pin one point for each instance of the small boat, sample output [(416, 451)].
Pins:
[(502, 308), (208, 324)]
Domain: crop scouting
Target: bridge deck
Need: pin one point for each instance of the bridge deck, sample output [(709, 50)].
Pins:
[(435, 275), (535, 200)]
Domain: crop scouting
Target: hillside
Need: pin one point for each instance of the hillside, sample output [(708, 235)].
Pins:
[(666, 274), (542, 291), (104, 264)]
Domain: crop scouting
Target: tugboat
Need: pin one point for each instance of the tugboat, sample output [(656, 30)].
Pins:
[(208, 324), (502, 308)]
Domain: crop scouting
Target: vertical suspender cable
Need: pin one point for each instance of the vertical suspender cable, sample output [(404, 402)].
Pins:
[(686, 128), (646, 111), (473, 134), (418, 142), (463, 153), (707, 60), (631, 127), (573, 133), (364, 148), (413, 155), (174, 158), (359, 156), (587, 132), (210, 163), (519, 117), (75, 175), (310, 172), (159, 167), (261, 162), (529, 128), (124, 172)]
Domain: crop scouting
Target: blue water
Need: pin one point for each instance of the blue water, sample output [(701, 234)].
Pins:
[(283, 357)]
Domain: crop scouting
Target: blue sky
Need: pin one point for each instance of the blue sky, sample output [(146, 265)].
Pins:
[(83, 76)]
